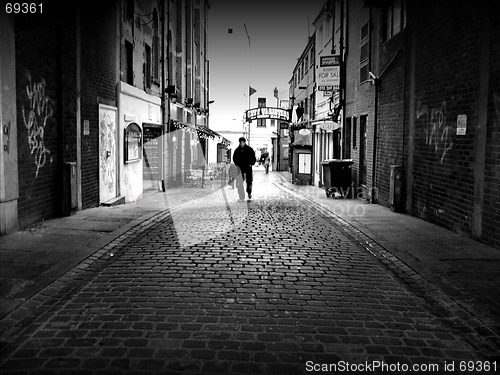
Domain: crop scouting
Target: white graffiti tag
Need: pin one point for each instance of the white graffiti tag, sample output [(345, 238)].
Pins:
[(35, 119), (437, 133)]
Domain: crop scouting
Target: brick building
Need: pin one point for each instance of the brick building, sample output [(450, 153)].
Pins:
[(90, 115), (420, 119)]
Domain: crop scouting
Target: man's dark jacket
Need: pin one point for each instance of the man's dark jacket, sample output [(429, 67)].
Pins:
[(244, 156)]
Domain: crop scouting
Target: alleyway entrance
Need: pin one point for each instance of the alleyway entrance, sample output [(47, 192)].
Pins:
[(270, 286)]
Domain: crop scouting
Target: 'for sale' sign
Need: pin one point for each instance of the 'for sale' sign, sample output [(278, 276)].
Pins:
[(329, 71)]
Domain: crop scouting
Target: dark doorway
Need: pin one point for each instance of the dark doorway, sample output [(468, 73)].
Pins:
[(362, 150)]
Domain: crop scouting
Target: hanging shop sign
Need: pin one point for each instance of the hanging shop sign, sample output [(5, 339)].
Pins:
[(327, 125), (267, 113), (328, 73)]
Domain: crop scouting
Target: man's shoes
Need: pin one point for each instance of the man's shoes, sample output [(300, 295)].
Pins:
[(249, 196), (241, 200)]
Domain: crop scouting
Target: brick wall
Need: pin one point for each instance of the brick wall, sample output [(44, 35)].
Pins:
[(446, 76), (359, 96), (491, 205), (38, 79), (391, 110), (98, 77)]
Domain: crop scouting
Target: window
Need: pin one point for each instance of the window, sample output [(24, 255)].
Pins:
[(311, 59), (311, 106), (156, 47), (132, 148), (273, 122), (128, 67), (147, 66), (261, 102), (395, 18), (354, 132), (307, 63), (364, 54), (129, 10), (306, 106)]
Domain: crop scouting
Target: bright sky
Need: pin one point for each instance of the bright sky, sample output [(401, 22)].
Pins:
[(278, 31)]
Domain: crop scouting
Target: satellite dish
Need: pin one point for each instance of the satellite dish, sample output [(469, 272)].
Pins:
[(304, 131)]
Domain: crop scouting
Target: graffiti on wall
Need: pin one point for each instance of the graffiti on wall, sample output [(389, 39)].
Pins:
[(107, 147), (35, 117), (438, 135), (107, 152)]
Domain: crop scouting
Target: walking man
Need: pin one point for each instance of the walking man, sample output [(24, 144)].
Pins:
[(244, 158)]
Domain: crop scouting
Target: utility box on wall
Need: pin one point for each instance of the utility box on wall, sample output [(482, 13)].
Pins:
[(70, 194), (301, 169)]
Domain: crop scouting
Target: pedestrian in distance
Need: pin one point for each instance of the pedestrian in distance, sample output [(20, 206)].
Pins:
[(244, 158), (266, 163), (263, 157)]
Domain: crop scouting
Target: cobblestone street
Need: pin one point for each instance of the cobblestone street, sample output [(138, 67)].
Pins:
[(270, 286)]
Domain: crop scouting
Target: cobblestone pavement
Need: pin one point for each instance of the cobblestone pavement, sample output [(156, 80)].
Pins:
[(271, 286)]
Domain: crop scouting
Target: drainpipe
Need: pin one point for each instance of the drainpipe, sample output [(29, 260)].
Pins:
[(376, 81), (163, 104)]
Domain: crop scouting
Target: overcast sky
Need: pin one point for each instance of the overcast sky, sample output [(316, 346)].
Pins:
[(278, 32)]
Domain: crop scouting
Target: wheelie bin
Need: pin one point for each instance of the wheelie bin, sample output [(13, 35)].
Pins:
[(337, 177)]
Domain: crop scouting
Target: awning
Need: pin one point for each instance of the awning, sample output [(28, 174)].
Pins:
[(180, 124), (206, 132), (202, 131), (326, 125)]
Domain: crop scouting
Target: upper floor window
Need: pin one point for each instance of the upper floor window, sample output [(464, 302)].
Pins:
[(129, 10), (147, 66), (128, 63), (156, 47), (394, 18), (364, 54)]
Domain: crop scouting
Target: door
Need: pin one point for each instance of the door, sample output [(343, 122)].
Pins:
[(362, 150), (107, 153)]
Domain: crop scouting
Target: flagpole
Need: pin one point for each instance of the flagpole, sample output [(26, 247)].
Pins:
[(249, 87), (249, 121)]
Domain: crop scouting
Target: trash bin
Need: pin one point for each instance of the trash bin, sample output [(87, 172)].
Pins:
[(337, 177)]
